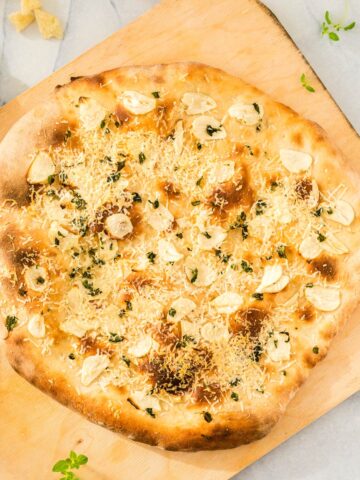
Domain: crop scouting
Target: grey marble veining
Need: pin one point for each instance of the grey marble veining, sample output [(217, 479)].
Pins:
[(329, 448)]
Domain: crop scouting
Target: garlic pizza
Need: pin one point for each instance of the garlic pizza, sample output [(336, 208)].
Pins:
[(178, 250)]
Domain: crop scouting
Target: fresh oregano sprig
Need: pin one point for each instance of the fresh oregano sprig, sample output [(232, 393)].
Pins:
[(65, 467), (329, 28), (305, 83)]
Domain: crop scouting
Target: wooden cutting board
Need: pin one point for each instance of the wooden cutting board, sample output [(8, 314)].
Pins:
[(243, 38)]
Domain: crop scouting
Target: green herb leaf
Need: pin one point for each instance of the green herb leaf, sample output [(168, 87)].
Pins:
[(11, 322), (115, 338), (155, 94), (258, 296), (61, 466), (155, 203), (234, 396), (150, 412), (281, 251), (305, 84), (126, 360), (260, 206), (198, 182), (207, 417), (195, 203), (350, 26), (172, 312), (315, 350), (194, 275), (334, 36), (327, 17), (142, 157), (257, 108), (321, 237), (136, 197), (246, 266), (151, 257), (211, 130)]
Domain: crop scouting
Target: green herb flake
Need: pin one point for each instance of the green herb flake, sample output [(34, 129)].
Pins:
[(305, 83), (155, 94), (180, 235), (211, 130), (234, 396), (257, 108), (102, 124), (65, 467), (51, 179), (71, 356), (198, 182), (199, 146), (281, 251), (113, 177), (246, 266), (315, 349), (318, 212), (11, 322), (129, 306), (122, 313), (194, 275), (259, 207), (142, 157), (115, 338), (321, 237), (207, 417), (235, 382), (150, 412), (309, 285), (195, 203), (172, 312), (258, 296), (22, 292), (330, 29), (206, 234), (126, 360), (151, 257), (136, 197)]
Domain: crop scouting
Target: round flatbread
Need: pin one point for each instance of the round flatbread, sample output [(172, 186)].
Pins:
[(178, 251)]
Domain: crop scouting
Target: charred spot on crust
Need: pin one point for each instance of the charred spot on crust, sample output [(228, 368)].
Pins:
[(249, 321), (138, 280), (298, 139), (169, 189), (167, 333), (136, 217), (122, 114), (97, 225), (25, 257), (303, 189), (307, 313), (231, 194), (207, 393), (90, 345), (325, 265), (72, 79)]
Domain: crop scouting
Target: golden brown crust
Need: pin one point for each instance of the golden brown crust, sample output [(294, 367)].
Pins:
[(47, 125)]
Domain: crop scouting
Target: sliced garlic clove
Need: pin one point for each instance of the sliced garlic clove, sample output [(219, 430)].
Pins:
[(92, 367), (272, 274), (118, 225), (143, 401), (178, 137), (247, 113), (137, 103), (222, 172), (333, 245), (41, 169), (310, 248), (228, 302), (199, 274), (180, 308), (92, 113), (142, 348), (341, 212), (295, 161), (168, 252), (36, 326), (277, 286), (197, 103), (278, 347), (325, 299), (36, 278), (74, 328), (214, 332), (160, 218), (211, 238), (206, 128)]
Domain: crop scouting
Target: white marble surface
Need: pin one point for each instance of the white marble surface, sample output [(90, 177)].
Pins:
[(329, 448)]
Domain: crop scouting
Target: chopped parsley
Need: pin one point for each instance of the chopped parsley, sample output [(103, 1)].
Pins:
[(241, 224), (155, 94), (234, 396), (51, 179), (71, 356), (309, 285), (128, 305), (199, 146), (235, 382), (321, 237), (273, 186), (281, 251), (115, 338), (63, 178), (113, 177), (90, 288), (122, 313), (142, 157), (186, 339), (257, 108), (103, 123), (57, 241), (120, 165), (11, 322), (151, 257), (315, 349), (206, 234), (198, 182), (207, 417), (150, 412), (259, 207), (249, 150), (136, 197), (246, 266), (258, 296), (257, 352), (155, 203), (22, 292), (126, 360), (180, 235), (194, 275), (222, 256), (78, 201), (172, 312), (67, 135), (211, 130), (40, 280), (195, 203)]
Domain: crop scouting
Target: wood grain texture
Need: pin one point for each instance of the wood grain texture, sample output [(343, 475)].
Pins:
[(242, 38)]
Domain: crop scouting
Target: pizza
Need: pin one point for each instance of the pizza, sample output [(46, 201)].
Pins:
[(178, 250)]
